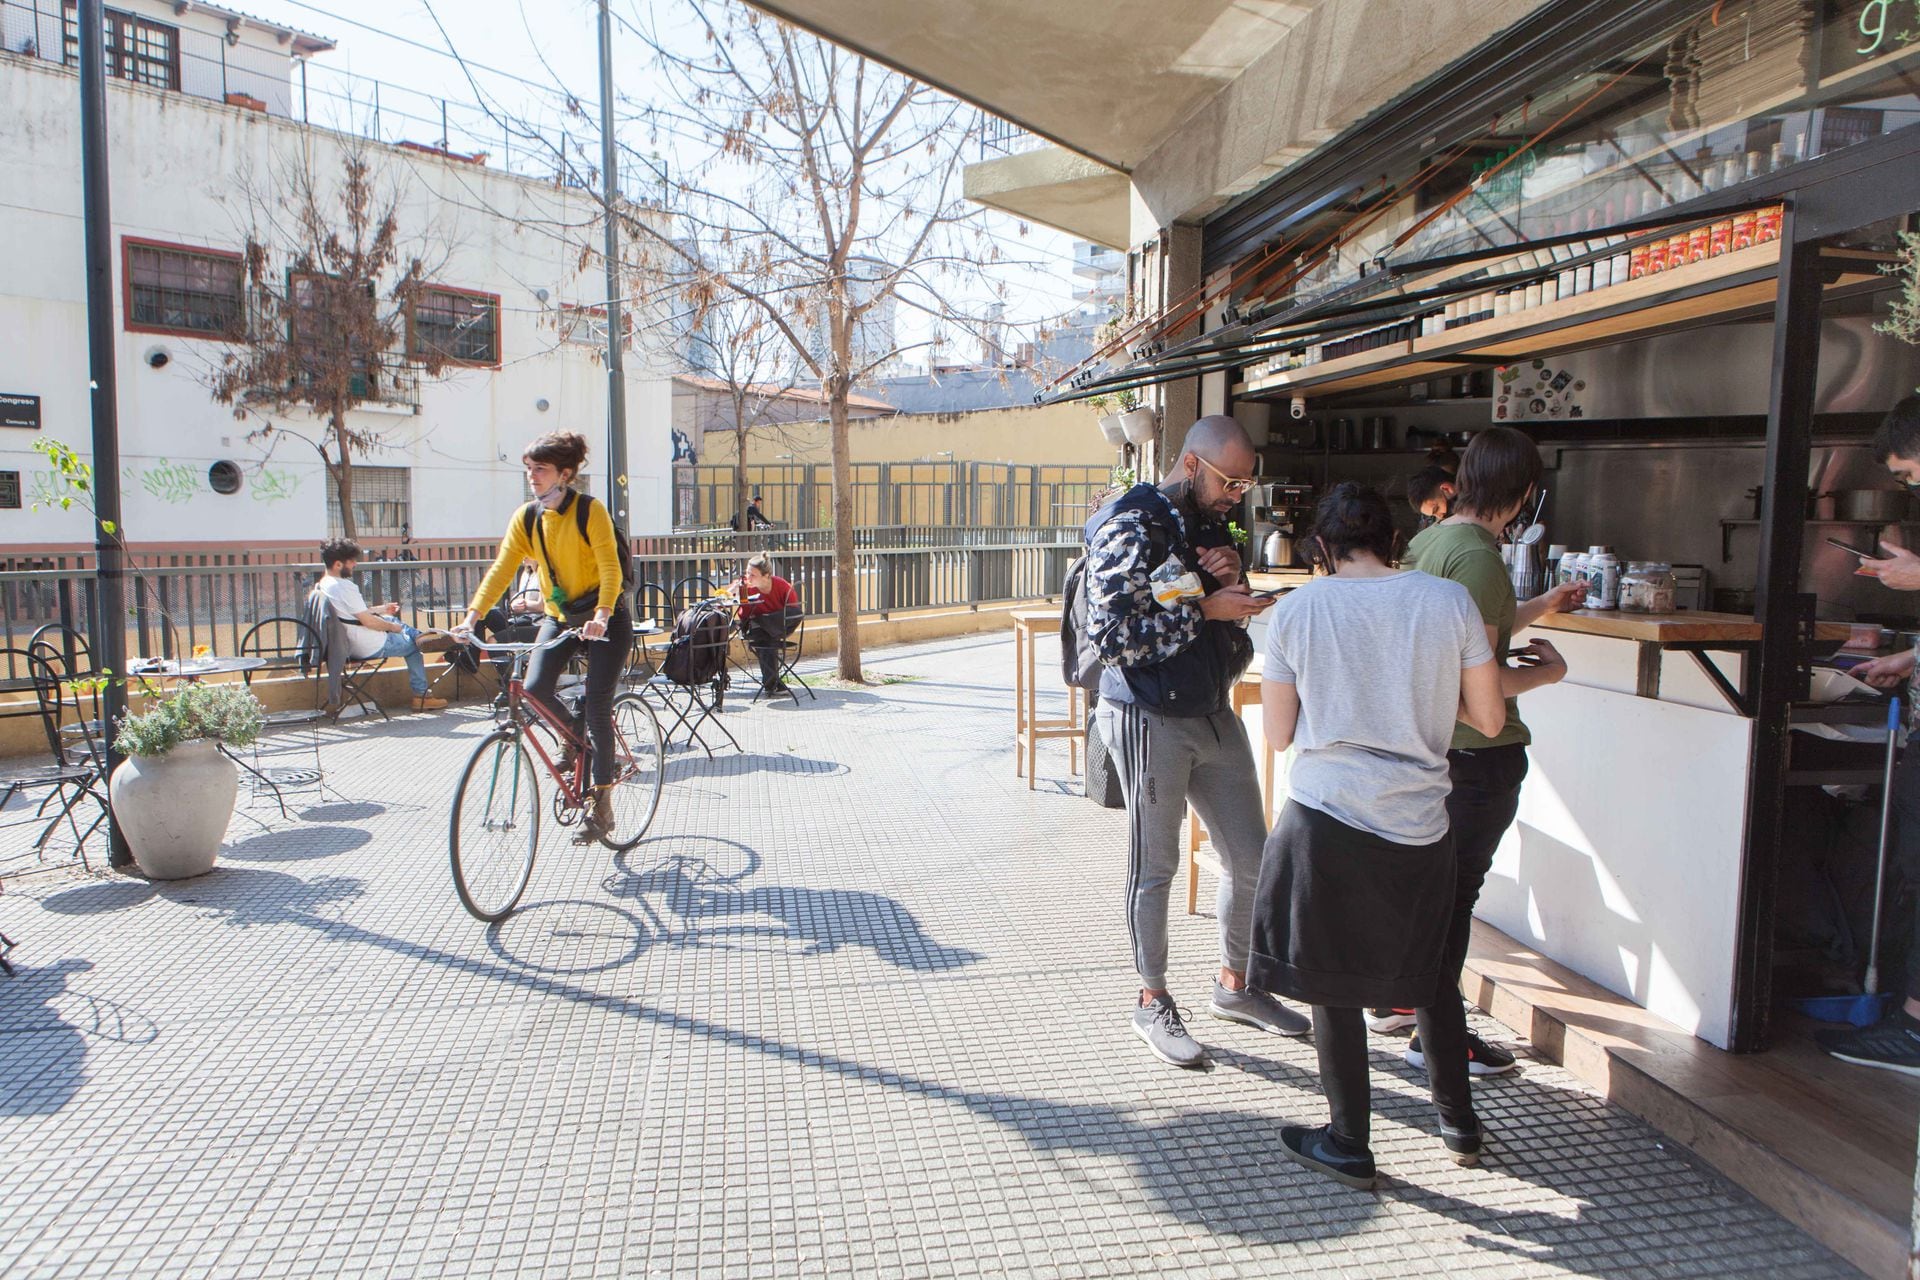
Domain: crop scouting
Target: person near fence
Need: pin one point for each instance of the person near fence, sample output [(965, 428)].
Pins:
[(374, 632), (1357, 880), (1165, 607), (580, 584), (769, 611)]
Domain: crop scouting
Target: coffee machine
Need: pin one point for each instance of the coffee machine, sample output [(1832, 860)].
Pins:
[(1276, 513)]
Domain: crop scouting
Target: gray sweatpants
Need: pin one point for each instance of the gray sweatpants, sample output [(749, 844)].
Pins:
[(1163, 762)]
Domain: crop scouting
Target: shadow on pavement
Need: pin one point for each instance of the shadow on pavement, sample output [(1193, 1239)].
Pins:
[(45, 1031), (298, 844)]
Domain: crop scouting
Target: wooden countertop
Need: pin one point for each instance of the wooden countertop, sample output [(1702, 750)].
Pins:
[(1269, 579), (1693, 626)]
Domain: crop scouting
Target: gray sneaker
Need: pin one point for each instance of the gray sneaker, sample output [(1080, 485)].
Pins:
[(1160, 1026), (1257, 1009)]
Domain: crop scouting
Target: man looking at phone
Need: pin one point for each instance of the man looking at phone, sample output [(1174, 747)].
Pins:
[(1499, 478), (1893, 1044), (1165, 608)]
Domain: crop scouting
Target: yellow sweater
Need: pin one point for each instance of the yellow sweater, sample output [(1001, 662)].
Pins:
[(583, 565)]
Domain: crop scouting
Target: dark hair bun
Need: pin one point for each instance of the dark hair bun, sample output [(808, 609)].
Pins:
[(564, 449), (1353, 517)]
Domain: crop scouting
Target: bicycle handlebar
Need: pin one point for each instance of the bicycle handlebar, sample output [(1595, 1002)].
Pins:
[(530, 647)]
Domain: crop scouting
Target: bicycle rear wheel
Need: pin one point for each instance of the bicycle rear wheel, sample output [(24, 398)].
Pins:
[(639, 769), (495, 828)]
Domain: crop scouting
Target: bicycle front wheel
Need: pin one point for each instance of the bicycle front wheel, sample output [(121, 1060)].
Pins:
[(639, 769), (496, 826)]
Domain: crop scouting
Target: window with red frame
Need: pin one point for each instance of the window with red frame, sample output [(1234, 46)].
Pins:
[(180, 290), (451, 325)]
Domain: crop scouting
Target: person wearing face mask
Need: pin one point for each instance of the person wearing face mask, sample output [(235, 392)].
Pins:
[(371, 632), (1170, 663), (580, 581), (1430, 493)]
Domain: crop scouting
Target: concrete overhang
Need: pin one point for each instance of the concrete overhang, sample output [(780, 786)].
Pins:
[(1110, 79), (1056, 188)]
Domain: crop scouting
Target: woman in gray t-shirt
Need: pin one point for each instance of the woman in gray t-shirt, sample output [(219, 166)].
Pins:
[(1366, 672)]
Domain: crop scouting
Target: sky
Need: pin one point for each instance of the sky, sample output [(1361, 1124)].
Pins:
[(544, 42)]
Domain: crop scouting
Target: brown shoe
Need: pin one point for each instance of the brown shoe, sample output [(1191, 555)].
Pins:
[(333, 709), (599, 819), (427, 702)]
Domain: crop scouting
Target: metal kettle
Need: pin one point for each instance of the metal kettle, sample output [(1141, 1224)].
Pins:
[(1277, 553)]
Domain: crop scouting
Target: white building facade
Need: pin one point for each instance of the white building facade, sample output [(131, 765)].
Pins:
[(195, 174)]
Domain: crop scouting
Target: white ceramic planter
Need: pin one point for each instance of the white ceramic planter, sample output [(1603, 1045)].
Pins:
[(1138, 424), (1113, 429), (175, 808)]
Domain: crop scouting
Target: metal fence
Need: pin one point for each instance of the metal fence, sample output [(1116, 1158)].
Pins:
[(942, 494), (173, 609)]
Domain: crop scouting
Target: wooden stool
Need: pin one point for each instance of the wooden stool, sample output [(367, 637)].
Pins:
[(1246, 693), (1028, 728)]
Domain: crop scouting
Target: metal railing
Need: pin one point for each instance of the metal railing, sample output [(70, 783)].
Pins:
[(174, 609), (949, 495)]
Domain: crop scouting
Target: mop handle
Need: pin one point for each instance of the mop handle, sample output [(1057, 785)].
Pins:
[(1872, 983)]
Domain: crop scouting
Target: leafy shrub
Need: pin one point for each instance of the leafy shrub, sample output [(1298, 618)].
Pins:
[(225, 712)]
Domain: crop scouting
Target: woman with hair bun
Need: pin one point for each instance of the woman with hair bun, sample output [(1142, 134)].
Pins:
[(1367, 669), (579, 564)]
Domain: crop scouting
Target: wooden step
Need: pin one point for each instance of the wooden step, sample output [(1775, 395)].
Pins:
[(1828, 1146)]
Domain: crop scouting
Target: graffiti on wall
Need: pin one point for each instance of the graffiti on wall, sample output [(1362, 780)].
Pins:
[(273, 485), (172, 482)]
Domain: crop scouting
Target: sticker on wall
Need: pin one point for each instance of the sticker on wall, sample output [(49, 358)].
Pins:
[(1536, 392)]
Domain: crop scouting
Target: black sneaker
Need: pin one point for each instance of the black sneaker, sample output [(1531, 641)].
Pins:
[(1317, 1150), (1892, 1044), (1384, 1021), (1462, 1142), (1483, 1059)]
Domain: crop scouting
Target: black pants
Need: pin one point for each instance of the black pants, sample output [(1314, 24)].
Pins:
[(606, 659), (763, 633), (1340, 1038), (1480, 808)]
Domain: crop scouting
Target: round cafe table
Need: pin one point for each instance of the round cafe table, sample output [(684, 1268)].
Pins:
[(191, 670)]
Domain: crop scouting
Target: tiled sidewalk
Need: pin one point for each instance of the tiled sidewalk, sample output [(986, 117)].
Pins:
[(857, 1007)]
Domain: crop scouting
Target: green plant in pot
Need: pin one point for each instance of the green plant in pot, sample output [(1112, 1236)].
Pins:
[(173, 795)]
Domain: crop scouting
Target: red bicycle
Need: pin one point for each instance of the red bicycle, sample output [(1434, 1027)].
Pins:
[(495, 828)]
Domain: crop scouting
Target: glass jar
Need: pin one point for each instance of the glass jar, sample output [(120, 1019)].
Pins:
[(1647, 587)]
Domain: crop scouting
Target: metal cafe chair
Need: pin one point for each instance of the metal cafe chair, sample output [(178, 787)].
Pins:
[(76, 771), (695, 704), (287, 646), (64, 647), (653, 615)]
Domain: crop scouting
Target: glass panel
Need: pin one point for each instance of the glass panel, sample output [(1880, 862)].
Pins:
[(1737, 92)]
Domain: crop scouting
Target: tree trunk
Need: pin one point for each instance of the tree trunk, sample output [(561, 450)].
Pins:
[(342, 472), (846, 578), (739, 467)]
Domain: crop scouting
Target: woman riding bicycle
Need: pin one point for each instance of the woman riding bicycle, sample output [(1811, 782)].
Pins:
[(580, 582)]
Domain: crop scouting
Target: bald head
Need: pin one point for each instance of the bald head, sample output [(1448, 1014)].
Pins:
[(1216, 450), (1216, 437)]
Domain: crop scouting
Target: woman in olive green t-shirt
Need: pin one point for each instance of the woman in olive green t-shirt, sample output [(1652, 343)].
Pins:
[(1499, 476)]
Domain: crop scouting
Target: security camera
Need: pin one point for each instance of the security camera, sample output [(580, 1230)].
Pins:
[(157, 357), (1297, 407)]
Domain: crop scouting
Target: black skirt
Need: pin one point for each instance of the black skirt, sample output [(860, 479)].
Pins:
[(1346, 919)]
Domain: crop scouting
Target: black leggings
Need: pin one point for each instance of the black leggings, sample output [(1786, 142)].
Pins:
[(606, 659), (1340, 1038)]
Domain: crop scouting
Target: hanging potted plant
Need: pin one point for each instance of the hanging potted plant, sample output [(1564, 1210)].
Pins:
[(173, 795), (1903, 313), (1110, 427), (1139, 423)]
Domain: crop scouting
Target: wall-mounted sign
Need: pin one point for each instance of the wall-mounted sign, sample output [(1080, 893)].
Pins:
[(19, 411), (1860, 31)]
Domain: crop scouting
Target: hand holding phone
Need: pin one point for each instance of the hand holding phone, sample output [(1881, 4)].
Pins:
[(1876, 554)]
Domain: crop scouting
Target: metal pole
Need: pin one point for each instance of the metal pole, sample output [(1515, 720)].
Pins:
[(110, 641), (616, 367), (305, 116)]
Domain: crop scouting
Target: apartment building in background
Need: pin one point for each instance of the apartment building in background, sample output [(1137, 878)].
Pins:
[(211, 116)]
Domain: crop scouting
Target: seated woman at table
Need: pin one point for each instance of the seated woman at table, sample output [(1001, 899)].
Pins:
[(1367, 669), (769, 611)]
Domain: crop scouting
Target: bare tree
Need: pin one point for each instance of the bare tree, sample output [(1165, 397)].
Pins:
[(732, 342), (327, 326), (825, 190)]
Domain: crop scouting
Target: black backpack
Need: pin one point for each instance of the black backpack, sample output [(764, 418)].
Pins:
[(582, 505), (697, 650)]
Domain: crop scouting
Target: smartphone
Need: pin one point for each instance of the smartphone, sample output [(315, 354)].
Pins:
[(1274, 594), (1876, 554)]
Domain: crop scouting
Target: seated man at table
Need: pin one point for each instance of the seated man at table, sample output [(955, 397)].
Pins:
[(374, 633), (769, 611)]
